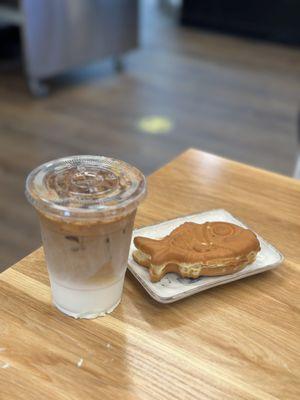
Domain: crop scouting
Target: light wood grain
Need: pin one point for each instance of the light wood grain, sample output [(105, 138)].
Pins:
[(238, 341)]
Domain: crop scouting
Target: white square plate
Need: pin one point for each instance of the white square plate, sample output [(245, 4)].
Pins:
[(172, 287)]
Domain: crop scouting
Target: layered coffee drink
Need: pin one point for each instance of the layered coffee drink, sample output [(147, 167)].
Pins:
[(86, 206)]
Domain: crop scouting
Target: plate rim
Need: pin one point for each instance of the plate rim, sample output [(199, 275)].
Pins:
[(197, 289)]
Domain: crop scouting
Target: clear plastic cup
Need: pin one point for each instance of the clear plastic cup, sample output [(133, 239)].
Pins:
[(86, 206)]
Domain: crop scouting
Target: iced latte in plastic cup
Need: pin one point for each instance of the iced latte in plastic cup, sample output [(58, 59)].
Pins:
[(86, 206)]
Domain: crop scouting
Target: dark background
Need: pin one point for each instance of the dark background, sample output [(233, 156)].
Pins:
[(275, 20)]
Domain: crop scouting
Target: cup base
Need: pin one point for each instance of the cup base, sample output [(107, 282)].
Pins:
[(86, 315), (87, 304)]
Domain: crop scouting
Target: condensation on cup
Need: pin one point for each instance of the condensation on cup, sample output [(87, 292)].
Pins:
[(86, 207)]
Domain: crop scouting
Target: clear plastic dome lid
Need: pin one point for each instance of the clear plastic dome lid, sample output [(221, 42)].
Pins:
[(84, 186)]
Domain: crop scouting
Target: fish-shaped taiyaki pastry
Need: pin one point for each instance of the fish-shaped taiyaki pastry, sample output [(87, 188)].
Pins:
[(191, 250)]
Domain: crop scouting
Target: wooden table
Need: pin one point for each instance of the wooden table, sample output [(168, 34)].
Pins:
[(238, 341)]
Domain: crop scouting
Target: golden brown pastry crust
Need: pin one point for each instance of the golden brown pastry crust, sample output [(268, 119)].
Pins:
[(192, 250)]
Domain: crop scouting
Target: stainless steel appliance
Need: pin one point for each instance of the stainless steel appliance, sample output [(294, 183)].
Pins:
[(58, 35)]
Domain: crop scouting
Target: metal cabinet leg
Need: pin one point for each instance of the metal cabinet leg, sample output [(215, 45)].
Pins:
[(297, 168), (37, 87), (118, 63)]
